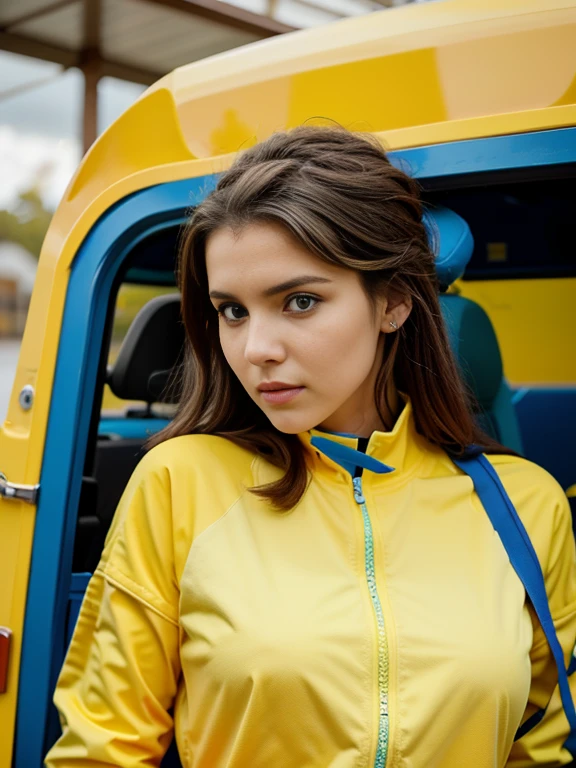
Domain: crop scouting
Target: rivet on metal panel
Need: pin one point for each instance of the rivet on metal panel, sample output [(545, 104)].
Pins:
[(26, 398)]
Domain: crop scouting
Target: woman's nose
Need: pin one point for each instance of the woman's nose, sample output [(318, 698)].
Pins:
[(263, 343)]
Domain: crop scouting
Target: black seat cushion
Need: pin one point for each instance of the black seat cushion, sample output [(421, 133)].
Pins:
[(150, 351), (114, 463)]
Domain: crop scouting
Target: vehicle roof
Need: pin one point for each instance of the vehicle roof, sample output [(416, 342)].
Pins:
[(419, 74), (398, 69)]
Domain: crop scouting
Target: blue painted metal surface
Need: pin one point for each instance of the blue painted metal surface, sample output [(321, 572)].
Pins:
[(131, 429), (547, 417), (496, 153), (78, 584), (91, 279), (92, 275)]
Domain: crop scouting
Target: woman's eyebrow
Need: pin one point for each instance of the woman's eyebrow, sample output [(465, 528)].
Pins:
[(296, 282)]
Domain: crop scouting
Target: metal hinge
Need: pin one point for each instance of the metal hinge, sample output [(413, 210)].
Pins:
[(17, 491)]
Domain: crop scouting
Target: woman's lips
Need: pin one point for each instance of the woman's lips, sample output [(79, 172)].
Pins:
[(279, 396)]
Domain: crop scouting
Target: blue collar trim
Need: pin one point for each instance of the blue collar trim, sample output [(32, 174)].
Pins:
[(338, 434), (349, 458)]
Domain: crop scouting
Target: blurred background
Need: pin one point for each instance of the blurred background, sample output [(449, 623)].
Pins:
[(68, 68)]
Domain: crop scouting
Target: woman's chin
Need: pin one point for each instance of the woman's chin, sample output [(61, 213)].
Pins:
[(292, 423)]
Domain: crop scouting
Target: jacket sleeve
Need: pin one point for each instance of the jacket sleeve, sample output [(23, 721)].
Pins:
[(542, 745), (121, 671)]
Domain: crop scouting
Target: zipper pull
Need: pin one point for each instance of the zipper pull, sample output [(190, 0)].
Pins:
[(358, 495)]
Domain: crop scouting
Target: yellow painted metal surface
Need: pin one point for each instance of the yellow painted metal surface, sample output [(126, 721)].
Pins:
[(22, 435), (419, 74), (535, 322), (416, 75)]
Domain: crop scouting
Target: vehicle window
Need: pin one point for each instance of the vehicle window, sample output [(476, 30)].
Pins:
[(521, 230), (523, 272), (131, 298)]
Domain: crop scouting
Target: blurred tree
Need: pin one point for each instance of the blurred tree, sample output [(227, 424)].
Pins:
[(27, 222)]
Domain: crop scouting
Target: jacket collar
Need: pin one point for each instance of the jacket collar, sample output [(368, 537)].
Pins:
[(397, 451)]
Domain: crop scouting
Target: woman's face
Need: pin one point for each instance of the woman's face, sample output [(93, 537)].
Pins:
[(298, 327)]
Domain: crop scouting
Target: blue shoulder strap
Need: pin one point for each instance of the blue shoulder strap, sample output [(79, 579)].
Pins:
[(524, 560)]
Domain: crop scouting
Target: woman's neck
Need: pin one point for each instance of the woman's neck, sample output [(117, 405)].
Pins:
[(368, 420)]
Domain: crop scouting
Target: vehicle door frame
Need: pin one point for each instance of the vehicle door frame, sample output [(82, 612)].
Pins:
[(94, 270)]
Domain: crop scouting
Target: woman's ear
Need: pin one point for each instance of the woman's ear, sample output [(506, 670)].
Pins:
[(395, 312)]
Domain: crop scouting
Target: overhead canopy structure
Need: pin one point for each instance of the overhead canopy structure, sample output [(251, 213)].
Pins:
[(135, 40)]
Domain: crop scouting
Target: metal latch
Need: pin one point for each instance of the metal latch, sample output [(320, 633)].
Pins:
[(17, 491)]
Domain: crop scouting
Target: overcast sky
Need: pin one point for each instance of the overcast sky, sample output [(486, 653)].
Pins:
[(40, 123), (40, 106)]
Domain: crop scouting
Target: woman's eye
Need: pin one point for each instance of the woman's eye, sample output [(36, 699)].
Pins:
[(302, 303), (232, 312)]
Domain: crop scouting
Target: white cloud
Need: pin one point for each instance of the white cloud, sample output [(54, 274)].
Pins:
[(40, 124), (27, 159)]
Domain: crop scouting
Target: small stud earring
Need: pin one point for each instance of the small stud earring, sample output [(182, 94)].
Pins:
[(394, 324)]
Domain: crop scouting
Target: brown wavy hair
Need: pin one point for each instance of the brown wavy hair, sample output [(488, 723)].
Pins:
[(338, 194)]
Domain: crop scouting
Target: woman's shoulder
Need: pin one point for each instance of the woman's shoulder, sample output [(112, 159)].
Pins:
[(192, 470), (179, 488), (524, 478), (196, 453), (538, 498)]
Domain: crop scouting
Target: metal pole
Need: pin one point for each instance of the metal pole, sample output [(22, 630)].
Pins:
[(90, 113), (91, 68)]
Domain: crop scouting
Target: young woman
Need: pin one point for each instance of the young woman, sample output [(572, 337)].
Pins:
[(298, 575)]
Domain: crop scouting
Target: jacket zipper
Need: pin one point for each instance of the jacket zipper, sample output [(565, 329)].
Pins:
[(383, 722)]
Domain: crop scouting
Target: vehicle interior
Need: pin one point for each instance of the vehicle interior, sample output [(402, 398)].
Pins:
[(519, 231)]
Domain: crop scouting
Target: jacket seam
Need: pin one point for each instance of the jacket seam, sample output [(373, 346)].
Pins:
[(226, 511), (197, 538), (134, 591), (212, 524)]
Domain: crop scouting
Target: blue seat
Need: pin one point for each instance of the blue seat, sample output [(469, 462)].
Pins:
[(475, 345), (470, 330), (451, 242), (547, 417)]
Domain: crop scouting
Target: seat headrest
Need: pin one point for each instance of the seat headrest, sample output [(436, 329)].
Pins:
[(452, 242), (150, 350), (475, 345)]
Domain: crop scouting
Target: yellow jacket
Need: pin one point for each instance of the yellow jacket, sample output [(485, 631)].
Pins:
[(394, 634)]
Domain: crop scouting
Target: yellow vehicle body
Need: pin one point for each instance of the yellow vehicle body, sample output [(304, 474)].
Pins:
[(415, 76)]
